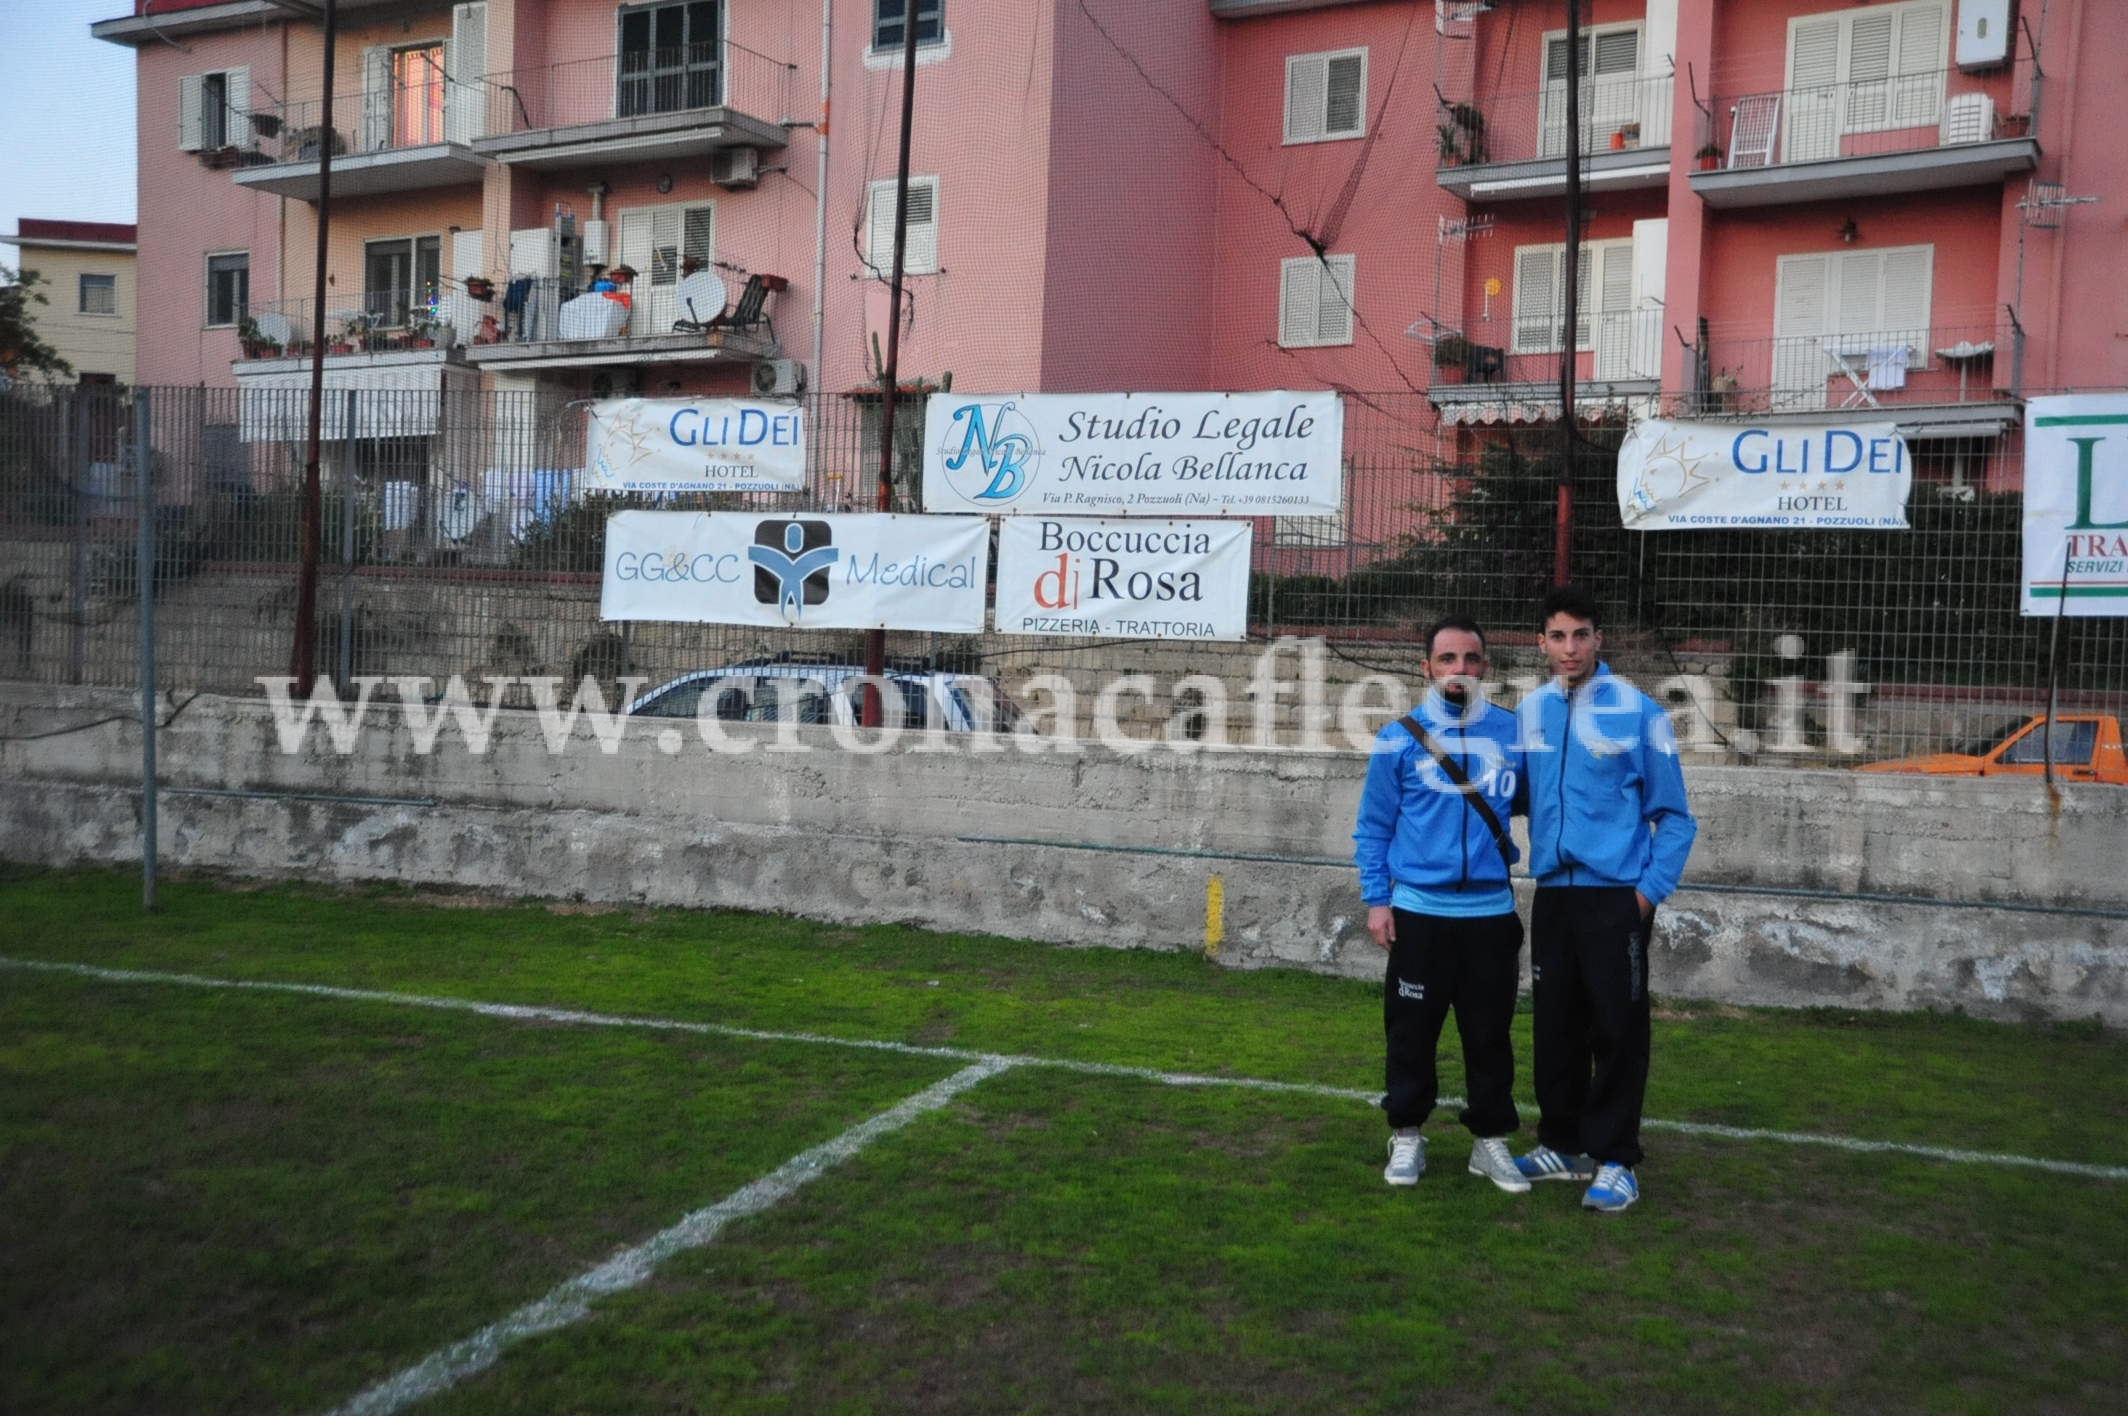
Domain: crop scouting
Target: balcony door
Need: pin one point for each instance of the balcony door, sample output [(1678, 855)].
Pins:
[(661, 243), (671, 57), (1610, 87), (1838, 314), (1863, 71)]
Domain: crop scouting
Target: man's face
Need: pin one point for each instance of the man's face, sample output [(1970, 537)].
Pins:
[(1456, 655), (1571, 646)]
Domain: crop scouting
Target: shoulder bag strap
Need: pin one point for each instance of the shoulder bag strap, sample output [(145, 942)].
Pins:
[(1456, 774)]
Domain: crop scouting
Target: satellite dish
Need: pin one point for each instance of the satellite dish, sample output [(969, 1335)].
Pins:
[(274, 328), (700, 298)]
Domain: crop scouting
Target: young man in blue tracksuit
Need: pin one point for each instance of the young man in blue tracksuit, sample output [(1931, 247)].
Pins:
[(1609, 833), (1433, 872)]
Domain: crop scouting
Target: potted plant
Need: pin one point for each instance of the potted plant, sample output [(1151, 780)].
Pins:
[(1624, 136), (1450, 350), (480, 287), (1462, 137), (1710, 156), (256, 345)]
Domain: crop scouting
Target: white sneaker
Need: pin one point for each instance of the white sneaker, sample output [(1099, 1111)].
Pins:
[(1407, 1156), (1490, 1158)]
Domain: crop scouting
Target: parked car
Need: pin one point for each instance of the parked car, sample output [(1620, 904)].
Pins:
[(2087, 748), (825, 691)]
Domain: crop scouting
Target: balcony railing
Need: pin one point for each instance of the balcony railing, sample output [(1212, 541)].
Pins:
[(1939, 108), (392, 117), (1617, 115), (547, 311), (1938, 365), (1622, 346), (377, 321), (640, 85)]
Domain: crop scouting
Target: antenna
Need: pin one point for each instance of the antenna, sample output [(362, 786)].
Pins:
[(1468, 228), (2043, 200), (1457, 12)]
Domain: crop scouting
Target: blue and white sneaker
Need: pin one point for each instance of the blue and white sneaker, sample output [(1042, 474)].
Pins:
[(1614, 1189), (1544, 1163)]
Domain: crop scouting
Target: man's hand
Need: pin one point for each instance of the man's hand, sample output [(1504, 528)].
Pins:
[(1381, 923), (1647, 906)]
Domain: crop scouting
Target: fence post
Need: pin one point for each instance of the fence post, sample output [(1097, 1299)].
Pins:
[(78, 571), (144, 482), (347, 548)]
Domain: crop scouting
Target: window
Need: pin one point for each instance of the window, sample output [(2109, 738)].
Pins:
[(920, 252), (214, 110), (1540, 294), (1315, 301), (661, 244), (2074, 743), (228, 287), (399, 275), (1863, 71), (416, 102), (99, 294), (1610, 87), (1832, 310), (888, 16), (671, 57), (1326, 96)]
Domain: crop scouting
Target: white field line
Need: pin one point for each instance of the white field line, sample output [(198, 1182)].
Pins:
[(571, 1301), (532, 1013)]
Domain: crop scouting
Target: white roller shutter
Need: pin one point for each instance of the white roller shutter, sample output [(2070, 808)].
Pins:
[(1801, 307), (1315, 296), (1307, 81), (1813, 98), (465, 61), (1536, 299)]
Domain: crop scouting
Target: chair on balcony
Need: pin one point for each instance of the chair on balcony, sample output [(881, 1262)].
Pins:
[(1754, 123), (752, 310)]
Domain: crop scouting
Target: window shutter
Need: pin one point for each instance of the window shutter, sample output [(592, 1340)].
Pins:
[(1333, 300), (1905, 299), (1307, 86), (1616, 53), (1536, 298), (879, 235), (1869, 71), (698, 234), (637, 239), (1344, 107), (920, 256), (376, 98), (236, 123), (1814, 53), (465, 61), (1297, 302), (1555, 61), (191, 104), (1917, 92), (1583, 307), (1858, 282), (1800, 303)]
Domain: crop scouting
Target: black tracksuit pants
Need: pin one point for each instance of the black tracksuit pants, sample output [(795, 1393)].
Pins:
[(1589, 984), (1474, 967)]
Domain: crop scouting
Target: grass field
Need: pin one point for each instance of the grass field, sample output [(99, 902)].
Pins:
[(882, 1170)]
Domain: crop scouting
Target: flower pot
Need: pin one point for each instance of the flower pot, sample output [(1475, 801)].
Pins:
[(341, 348), (1618, 142)]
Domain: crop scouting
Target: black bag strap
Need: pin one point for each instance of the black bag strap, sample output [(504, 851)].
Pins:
[(1456, 774)]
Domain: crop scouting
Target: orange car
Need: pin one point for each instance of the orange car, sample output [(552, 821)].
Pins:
[(2087, 748)]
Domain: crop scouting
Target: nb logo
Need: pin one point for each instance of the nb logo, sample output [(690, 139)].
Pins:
[(791, 560), (999, 442)]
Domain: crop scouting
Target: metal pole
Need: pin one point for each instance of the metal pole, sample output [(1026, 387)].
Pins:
[(347, 556), (143, 477), (78, 567), (1563, 526), (876, 640), (303, 655)]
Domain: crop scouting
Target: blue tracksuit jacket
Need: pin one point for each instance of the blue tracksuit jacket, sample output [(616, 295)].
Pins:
[(1414, 825), (1607, 794)]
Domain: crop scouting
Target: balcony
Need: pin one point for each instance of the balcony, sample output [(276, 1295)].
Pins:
[(1617, 370), (1910, 133), (422, 323), (1946, 380), (550, 323), (645, 105), (1512, 147), (395, 138)]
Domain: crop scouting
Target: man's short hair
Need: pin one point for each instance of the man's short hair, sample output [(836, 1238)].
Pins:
[(1462, 622), (1569, 600)]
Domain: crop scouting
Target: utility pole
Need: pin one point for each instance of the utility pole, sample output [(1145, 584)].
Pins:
[(1570, 272), (303, 656)]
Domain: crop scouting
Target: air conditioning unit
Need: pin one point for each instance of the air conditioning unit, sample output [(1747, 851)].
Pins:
[(735, 167), (778, 378)]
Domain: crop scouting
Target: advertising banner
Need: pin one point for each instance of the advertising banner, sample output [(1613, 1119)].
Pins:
[(1675, 476), (1142, 579), (694, 445), (1135, 454), (2076, 505), (812, 572)]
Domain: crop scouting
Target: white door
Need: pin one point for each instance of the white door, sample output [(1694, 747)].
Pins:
[(655, 242)]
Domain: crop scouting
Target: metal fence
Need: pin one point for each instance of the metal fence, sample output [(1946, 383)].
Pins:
[(457, 540)]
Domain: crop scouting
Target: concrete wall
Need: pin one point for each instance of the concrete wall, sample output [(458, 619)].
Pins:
[(1808, 887)]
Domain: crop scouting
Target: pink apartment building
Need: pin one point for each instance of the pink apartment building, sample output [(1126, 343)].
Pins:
[(1792, 206)]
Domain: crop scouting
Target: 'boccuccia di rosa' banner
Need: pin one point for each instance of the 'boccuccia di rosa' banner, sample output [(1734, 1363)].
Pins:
[(694, 445), (1140, 578), (1675, 476), (1135, 454), (809, 572)]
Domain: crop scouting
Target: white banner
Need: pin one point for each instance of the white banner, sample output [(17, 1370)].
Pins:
[(1141, 579), (694, 445), (1693, 476), (2076, 505), (812, 572), (1135, 454)]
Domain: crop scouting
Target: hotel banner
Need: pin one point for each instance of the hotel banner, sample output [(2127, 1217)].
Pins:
[(694, 445), (1676, 476)]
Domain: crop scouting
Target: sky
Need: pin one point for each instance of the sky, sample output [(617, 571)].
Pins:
[(67, 101)]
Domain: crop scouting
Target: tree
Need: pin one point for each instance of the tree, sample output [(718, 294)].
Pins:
[(21, 351)]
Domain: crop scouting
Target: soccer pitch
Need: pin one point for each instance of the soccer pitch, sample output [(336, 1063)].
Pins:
[(306, 1150)]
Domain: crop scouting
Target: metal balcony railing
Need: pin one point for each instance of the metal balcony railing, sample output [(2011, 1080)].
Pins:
[(383, 119), (1617, 114), (1616, 346), (373, 322), (1751, 371), (1912, 112), (638, 84), (539, 310)]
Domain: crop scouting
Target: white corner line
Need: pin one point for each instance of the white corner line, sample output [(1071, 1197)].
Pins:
[(571, 1301), (533, 1013)]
